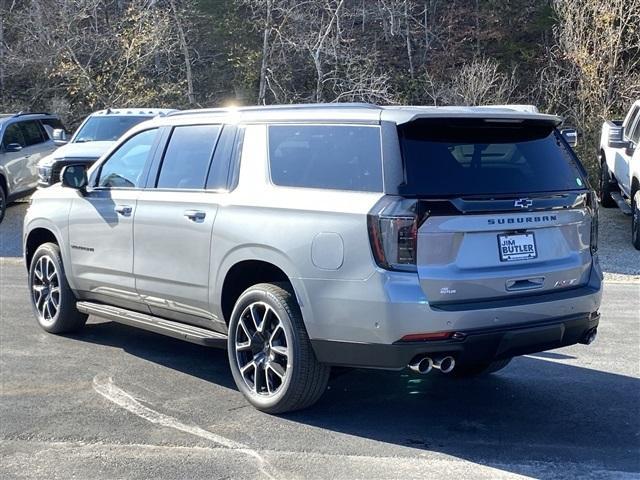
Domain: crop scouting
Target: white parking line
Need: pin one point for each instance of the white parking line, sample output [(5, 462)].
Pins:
[(104, 385)]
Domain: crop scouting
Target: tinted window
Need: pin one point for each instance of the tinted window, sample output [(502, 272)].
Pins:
[(106, 128), (124, 168), (631, 118), (33, 133), (332, 156), (13, 134), (473, 157), (54, 123), (634, 135), (186, 160), (51, 124), (218, 178)]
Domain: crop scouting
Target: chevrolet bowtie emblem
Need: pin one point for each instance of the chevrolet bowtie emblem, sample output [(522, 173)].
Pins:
[(523, 203)]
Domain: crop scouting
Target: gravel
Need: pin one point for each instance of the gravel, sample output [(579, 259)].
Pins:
[(620, 261)]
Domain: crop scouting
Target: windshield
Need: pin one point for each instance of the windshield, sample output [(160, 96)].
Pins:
[(105, 128), (464, 157)]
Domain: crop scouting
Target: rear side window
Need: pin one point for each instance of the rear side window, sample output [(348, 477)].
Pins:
[(462, 157), (339, 157), (187, 157), (33, 133), (13, 134)]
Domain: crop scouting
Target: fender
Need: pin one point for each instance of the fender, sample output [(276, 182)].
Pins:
[(259, 252)]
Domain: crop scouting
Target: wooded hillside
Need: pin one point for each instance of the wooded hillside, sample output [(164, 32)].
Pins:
[(577, 58)]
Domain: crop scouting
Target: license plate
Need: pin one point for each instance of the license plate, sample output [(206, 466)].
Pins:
[(517, 247)]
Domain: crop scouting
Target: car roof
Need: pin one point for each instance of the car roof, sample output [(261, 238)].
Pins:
[(358, 112), (6, 117), (137, 111)]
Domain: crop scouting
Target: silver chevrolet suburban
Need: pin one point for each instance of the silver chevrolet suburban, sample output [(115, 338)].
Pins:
[(306, 237)]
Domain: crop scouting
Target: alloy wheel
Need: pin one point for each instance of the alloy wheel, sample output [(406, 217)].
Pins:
[(262, 349), (45, 289)]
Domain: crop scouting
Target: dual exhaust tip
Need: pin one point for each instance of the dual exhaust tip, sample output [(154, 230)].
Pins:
[(424, 365)]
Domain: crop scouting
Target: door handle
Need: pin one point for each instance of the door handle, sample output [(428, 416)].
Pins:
[(195, 215), (124, 210)]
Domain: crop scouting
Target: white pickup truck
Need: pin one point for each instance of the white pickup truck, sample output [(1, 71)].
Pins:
[(620, 167)]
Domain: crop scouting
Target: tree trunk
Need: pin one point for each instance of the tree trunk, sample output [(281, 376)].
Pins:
[(265, 51), (185, 52)]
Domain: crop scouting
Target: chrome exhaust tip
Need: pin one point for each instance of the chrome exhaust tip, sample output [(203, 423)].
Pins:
[(445, 364), (422, 365)]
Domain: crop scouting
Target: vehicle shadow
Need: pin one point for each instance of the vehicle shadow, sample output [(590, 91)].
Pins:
[(208, 364), (537, 410)]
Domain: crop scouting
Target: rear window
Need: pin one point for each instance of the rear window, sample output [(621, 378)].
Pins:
[(338, 157), (465, 157)]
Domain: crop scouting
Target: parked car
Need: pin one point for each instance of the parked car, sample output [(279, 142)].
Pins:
[(97, 133), (306, 237), (620, 168), (24, 140)]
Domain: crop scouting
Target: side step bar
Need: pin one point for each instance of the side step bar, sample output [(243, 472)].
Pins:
[(171, 328), (622, 204)]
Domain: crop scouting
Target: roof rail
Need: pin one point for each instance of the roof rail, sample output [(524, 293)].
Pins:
[(20, 114), (295, 106)]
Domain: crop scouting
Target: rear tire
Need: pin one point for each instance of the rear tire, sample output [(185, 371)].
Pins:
[(635, 220), (606, 187), (52, 300), (271, 358), (3, 201), (466, 371)]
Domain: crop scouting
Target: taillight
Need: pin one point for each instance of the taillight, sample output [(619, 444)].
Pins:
[(393, 232), (593, 204)]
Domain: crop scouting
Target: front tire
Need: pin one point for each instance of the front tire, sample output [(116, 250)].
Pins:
[(3, 201), (635, 220), (606, 187), (475, 370), (270, 354), (52, 300)]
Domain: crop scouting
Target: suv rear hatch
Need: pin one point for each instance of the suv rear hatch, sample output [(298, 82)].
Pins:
[(489, 209)]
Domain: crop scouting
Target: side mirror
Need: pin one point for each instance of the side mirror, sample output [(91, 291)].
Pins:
[(74, 176), (59, 135), (13, 147), (570, 135)]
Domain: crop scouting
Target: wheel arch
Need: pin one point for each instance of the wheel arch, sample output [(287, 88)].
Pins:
[(36, 237), (248, 266)]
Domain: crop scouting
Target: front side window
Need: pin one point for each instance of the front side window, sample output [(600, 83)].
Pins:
[(125, 167), (186, 160), (33, 133), (103, 128), (338, 157)]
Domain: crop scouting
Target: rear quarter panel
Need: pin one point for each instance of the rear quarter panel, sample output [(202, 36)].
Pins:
[(307, 233)]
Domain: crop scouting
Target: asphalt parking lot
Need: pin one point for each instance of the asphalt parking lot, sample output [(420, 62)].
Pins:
[(116, 402)]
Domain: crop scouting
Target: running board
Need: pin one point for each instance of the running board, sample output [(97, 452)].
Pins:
[(170, 328), (622, 204)]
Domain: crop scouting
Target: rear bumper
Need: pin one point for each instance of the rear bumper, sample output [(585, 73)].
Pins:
[(477, 346)]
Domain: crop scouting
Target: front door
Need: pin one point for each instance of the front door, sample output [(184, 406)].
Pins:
[(101, 224)]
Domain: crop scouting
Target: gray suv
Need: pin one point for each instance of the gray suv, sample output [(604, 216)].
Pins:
[(25, 138), (306, 237)]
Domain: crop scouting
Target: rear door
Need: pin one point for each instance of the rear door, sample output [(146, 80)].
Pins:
[(506, 209), (173, 226)]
